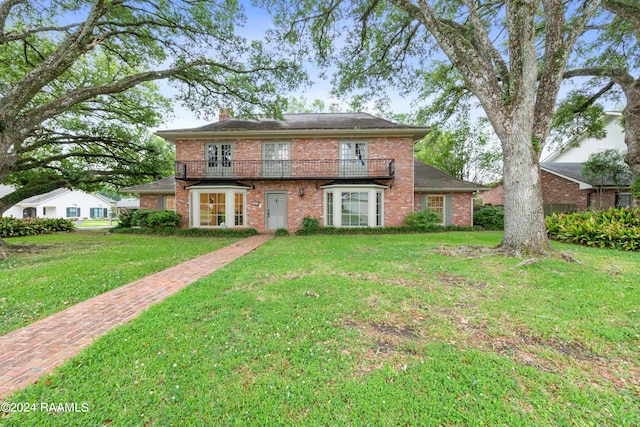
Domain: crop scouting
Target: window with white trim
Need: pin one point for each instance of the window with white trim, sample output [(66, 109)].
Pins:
[(219, 157), (276, 159), (354, 206), (353, 158), (211, 207)]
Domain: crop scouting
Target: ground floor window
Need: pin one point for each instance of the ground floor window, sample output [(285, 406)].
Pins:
[(624, 200), (167, 203), (98, 213), (440, 204), (73, 212), (354, 206), (218, 207)]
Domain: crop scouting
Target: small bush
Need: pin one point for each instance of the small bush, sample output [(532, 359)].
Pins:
[(16, 227), (310, 223), (282, 232), (615, 228), (164, 219), (125, 218), (489, 218), (425, 218)]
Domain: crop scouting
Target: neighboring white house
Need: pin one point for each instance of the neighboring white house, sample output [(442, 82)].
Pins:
[(63, 203), (579, 150)]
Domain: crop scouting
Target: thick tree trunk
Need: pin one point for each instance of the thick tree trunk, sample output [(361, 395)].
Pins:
[(525, 232), (631, 115)]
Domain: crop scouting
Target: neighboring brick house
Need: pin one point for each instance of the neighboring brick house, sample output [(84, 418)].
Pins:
[(347, 170), (564, 189)]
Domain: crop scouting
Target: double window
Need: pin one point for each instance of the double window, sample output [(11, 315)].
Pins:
[(73, 212), (218, 207), (354, 206), (98, 213)]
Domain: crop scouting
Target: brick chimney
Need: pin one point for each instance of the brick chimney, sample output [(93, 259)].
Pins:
[(225, 114)]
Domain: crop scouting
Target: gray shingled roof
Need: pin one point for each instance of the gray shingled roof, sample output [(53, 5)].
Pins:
[(574, 171), (162, 186), (429, 178), (42, 197), (301, 121)]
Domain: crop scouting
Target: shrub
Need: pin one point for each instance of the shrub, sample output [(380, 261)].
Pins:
[(190, 232), (16, 227), (282, 232), (310, 223), (141, 217), (489, 218), (125, 218), (614, 228), (164, 219), (425, 218)]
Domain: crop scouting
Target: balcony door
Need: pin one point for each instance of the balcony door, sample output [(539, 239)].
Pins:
[(353, 158), (219, 159), (276, 159)]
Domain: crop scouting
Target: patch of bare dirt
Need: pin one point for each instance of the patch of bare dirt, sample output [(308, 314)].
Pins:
[(457, 281)]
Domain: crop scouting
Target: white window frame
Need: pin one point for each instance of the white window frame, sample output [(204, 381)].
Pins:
[(230, 192), (375, 215), (354, 161), (280, 163), (222, 165)]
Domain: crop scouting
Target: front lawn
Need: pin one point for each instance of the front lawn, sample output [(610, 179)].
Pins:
[(370, 330), (58, 270)]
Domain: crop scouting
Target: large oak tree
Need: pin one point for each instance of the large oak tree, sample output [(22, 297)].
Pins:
[(77, 91), (490, 45)]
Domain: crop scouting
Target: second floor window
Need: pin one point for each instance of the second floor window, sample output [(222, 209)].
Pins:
[(219, 157), (275, 156), (353, 158)]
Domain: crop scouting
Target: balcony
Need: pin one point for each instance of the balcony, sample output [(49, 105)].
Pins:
[(285, 169)]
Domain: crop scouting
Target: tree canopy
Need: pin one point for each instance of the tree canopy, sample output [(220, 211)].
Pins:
[(608, 62), (77, 92)]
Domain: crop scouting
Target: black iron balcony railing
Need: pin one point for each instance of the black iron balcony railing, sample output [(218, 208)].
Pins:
[(285, 169)]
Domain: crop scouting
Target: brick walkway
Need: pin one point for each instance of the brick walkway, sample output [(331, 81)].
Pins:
[(30, 352)]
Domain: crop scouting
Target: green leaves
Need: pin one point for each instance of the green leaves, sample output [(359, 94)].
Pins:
[(615, 228)]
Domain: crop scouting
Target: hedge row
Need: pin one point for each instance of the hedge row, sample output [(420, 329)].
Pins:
[(17, 227), (188, 232), (383, 230), (615, 228)]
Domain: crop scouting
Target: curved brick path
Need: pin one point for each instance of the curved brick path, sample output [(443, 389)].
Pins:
[(30, 352)]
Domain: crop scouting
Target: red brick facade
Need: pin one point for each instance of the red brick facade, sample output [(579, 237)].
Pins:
[(398, 196)]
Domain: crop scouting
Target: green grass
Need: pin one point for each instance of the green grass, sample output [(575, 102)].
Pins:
[(59, 270), (371, 330)]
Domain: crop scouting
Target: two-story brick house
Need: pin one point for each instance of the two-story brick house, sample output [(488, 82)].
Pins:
[(347, 170)]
